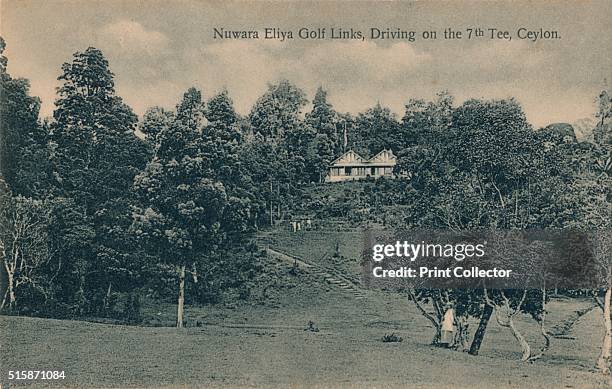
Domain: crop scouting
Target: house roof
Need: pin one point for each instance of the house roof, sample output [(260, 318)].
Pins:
[(383, 157), (351, 158)]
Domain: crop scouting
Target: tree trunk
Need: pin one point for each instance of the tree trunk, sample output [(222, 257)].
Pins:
[(522, 341), (603, 362), (436, 323), (437, 336), (108, 296), (180, 313), (542, 329), (10, 291), (462, 333), (482, 328), (271, 207)]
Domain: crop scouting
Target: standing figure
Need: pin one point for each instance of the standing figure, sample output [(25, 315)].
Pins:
[(448, 326)]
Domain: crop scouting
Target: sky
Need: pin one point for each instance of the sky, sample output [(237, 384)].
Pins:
[(158, 49)]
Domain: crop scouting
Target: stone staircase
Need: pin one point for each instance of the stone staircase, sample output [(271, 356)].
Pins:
[(350, 284)]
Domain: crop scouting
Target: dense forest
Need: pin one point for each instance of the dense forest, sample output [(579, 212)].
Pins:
[(98, 204)]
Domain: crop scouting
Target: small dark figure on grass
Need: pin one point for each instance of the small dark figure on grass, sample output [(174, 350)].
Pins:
[(391, 338), (311, 327)]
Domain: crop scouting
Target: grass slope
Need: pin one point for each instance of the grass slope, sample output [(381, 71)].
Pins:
[(255, 345), (260, 346)]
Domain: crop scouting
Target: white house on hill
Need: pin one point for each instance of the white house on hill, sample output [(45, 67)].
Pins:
[(352, 166)]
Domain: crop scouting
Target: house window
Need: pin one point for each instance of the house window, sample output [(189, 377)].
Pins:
[(372, 171), (348, 171)]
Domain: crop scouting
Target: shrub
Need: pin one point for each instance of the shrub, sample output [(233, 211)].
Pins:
[(391, 338)]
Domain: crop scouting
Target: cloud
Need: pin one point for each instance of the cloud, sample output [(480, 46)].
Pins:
[(518, 55), (364, 61), (156, 55), (132, 37), (359, 72)]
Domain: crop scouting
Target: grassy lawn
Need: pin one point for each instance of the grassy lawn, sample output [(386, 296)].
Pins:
[(266, 345)]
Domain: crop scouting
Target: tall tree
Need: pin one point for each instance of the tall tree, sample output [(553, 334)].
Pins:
[(424, 123), (24, 249), (379, 130), (24, 157), (295, 148), (323, 117), (191, 203), (96, 156), (275, 119), (221, 144), (268, 176), (221, 138), (480, 166), (154, 121), (182, 219), (327, 141), (319, 155), (222, 117), (191, 110), (278, 110)]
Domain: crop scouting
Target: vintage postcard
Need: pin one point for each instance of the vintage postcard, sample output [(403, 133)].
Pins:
[(305, 194)]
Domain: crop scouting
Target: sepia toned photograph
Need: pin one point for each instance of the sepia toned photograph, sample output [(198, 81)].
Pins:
[(305, 194)]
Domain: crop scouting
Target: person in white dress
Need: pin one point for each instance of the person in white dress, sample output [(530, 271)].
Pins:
[(448, 326)]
